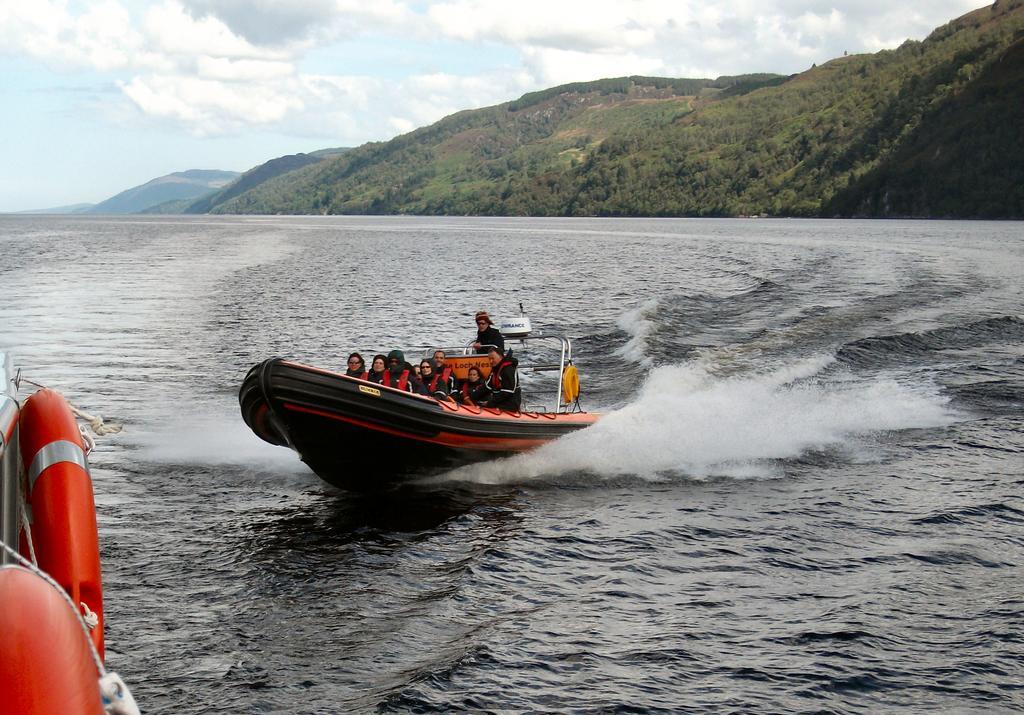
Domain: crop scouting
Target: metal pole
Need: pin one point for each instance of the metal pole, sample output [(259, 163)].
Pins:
[(10, 476), (561, 371)]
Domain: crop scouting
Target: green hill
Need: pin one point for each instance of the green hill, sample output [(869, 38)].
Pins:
[(475, 149), (172, 187), (256, 176), (929, 129), (965, 158)]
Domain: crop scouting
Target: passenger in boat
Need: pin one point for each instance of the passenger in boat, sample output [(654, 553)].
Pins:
[(357, 367), (445, 371), (474, 381), (399, 374), (503, 382), (378, 366), (433, 385), (487, 334)]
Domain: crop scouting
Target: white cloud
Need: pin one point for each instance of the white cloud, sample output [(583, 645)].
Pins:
[(175, 32), (265, 22), (553, 66), (298, 22), (106, 37), (216, 67), (341, 109), (566, 25), (223, 68), (727, 37), (209, 106), (102, 37), (426, 98)]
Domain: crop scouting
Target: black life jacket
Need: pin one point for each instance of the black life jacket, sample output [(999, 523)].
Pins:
[(403, 380)]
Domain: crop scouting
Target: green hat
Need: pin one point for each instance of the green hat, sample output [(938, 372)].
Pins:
[(396, 355)]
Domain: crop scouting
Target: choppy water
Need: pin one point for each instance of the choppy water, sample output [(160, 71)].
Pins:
[(806, 496)]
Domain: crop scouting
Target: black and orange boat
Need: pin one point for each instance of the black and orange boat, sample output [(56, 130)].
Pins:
[(354, 434)]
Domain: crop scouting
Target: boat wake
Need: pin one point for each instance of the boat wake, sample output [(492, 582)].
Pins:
[(638, 324), (686, 421), (213, 438)]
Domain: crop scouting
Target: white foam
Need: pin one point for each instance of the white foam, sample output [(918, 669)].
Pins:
[(638, 325), (687, 421), (212, 439)]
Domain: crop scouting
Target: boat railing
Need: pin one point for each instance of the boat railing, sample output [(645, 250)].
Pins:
[(10, 474), (563, 344)]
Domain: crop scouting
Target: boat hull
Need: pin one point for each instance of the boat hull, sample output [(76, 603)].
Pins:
[(355, 434)]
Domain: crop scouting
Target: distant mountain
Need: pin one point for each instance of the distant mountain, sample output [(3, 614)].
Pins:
[(253, 178), (70, 209), (173, 187), (932, 128)]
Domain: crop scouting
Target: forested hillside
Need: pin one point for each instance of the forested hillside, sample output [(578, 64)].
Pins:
[(256, 176), (929, 129), (471, 151), (965, 158)]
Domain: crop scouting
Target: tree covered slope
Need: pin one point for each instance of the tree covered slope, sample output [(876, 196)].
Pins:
[(256, 176), (860, 135)]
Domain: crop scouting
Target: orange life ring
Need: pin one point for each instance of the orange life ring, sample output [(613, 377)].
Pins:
[(46, 664), (63, 511)]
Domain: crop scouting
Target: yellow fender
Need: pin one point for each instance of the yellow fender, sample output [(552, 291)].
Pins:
[(570, 384)]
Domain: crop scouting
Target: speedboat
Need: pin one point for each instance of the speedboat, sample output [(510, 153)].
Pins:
[(360, 435)]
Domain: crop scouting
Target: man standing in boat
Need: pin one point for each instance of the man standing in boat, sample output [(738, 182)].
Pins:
[(501, 389), (487, 335)]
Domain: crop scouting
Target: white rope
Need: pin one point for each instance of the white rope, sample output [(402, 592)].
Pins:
[(27, 526), (117, 699), (90, 443), (89, 618), (96, 423)]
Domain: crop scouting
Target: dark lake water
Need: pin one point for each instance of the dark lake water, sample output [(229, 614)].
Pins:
[(805, 495)]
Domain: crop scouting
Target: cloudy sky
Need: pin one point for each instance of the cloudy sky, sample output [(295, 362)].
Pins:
[(102, 95)]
